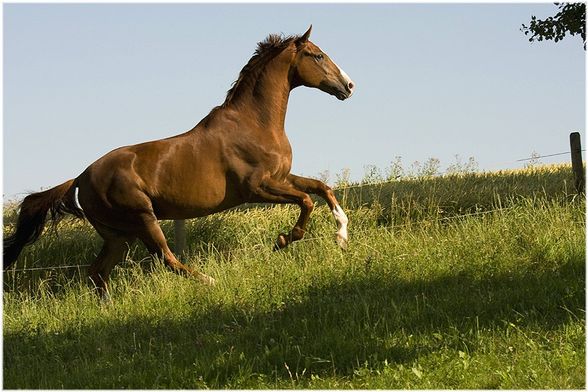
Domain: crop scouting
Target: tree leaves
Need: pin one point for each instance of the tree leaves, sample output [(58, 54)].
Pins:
[(569, 20)]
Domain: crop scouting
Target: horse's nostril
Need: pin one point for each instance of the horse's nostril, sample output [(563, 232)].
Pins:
[(350, 86)]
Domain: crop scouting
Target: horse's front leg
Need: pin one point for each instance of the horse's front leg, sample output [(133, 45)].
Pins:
[(310, 185), (269, 190)]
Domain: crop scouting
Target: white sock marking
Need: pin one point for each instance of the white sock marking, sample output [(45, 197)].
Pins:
[(342, 221)]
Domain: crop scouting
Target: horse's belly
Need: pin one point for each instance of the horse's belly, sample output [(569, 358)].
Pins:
[(195, 203), (169, 211)]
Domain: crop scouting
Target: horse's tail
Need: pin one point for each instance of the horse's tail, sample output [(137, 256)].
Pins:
[(33, 214)]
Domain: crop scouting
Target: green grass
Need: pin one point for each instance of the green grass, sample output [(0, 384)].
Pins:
[(421, 299)]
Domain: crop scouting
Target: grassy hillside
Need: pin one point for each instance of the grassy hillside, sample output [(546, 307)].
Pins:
[(423, 298)]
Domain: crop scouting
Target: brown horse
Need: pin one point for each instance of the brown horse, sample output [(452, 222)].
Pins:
[(238, 153)]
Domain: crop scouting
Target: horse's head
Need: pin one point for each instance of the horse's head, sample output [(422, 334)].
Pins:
[(314, 68)]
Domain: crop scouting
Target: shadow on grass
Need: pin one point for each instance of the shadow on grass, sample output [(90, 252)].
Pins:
[(333, 330)]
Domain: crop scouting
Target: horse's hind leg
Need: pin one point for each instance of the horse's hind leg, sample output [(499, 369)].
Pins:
[(114, 250), (153, 238)]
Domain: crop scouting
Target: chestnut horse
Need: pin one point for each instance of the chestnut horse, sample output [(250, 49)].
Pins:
[(239, 153)]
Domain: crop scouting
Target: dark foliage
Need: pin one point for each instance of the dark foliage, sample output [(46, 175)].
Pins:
[(571, 19)]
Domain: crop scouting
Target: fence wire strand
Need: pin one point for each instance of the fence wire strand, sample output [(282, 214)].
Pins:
[(442, 173), (303, 240), (546, 156), (341, 188)]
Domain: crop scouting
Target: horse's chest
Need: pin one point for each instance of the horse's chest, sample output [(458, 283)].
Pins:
[(275, 162), (280, 158), (270, 155), (281, 167)]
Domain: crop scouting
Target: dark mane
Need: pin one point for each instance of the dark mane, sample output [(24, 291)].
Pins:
[(266, 50)]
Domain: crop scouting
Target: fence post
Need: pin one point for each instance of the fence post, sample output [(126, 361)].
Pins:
[(577, 165), (179, 237)]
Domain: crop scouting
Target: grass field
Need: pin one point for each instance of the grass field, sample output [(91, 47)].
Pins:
[(424, 297)]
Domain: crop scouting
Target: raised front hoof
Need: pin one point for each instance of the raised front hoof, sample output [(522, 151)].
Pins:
[(281, 242), (341, 241)]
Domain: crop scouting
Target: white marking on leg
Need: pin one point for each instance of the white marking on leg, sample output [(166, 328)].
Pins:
[(342, 220), (76, 199)]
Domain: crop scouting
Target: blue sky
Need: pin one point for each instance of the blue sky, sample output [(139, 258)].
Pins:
[(433, 80)]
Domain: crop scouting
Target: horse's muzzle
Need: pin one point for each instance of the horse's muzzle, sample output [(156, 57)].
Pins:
[(342, 90)]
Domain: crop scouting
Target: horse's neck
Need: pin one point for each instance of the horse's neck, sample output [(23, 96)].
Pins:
[(267, 98)]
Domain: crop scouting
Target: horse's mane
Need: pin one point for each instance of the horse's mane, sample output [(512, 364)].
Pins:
[(266, 50)]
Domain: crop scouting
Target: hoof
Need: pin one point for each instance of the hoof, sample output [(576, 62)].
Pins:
[(207, 280), (105, 298), (341, 241), (281, 242)]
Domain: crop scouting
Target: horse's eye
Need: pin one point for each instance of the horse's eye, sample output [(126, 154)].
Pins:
[(319, 57)]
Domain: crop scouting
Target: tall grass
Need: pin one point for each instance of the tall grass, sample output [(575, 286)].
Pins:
[(420, 300)]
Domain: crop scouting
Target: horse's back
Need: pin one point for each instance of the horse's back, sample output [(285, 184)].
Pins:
[(180, 177)]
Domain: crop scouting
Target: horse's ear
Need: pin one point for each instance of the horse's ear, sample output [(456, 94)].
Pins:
[(304, 37)]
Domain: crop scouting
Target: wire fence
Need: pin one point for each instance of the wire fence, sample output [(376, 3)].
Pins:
[(440, 173), (233, 251), (546, 156), (311, 239)]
